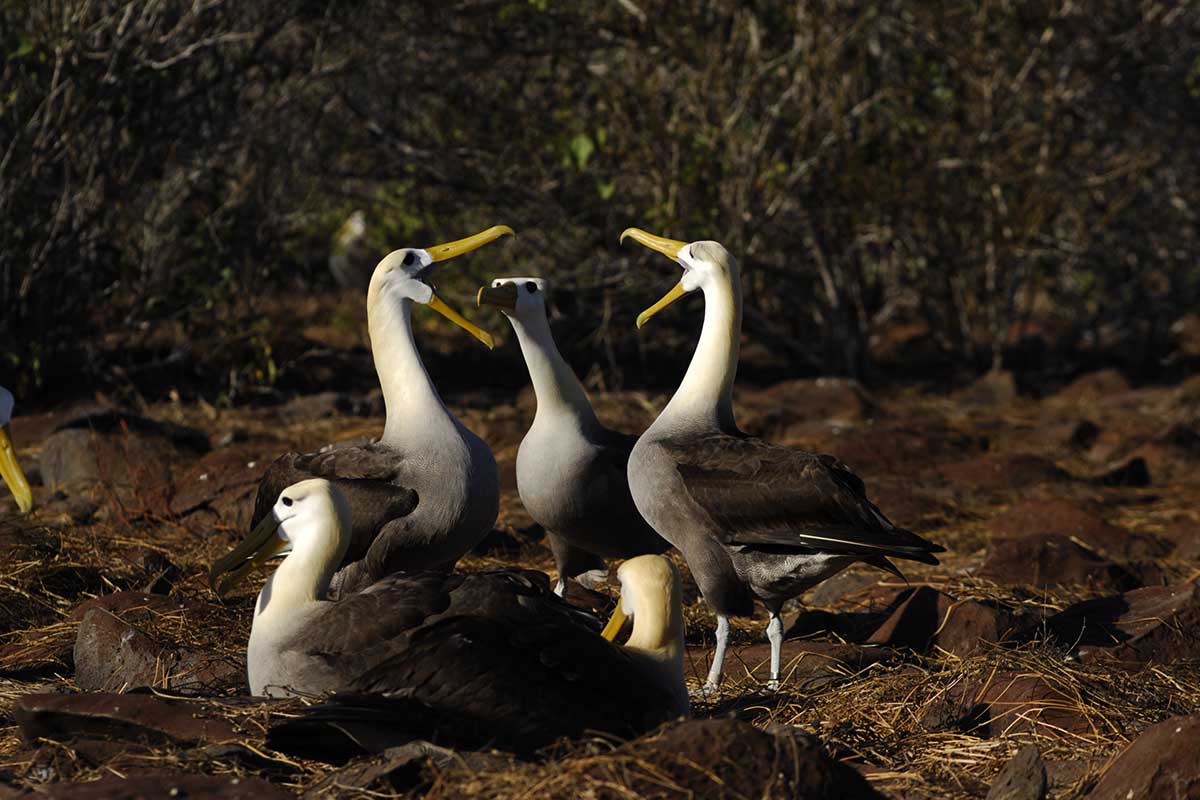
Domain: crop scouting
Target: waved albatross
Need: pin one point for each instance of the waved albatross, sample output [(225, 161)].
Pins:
[(428, 490), (753, 519), (487, 658), (10, 468), (571, 470)]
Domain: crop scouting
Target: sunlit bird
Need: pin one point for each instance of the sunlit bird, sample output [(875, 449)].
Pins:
[(10, 468), (487, 657), (428, 490), (570, 469), (753, 519)]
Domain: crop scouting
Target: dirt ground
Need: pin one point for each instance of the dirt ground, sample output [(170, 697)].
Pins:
[(1063, 614)]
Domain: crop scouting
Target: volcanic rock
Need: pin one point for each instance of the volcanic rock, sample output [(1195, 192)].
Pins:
[(1155, 623), (398, 769), (226, 481), (1163, 762), (1007, 703), (1003, 471), (997, 387), (1093, 386), (1022, 778), (1051, 559), (116, 717), (810, 399), (927, 619), (808, 665), (1069, 520)]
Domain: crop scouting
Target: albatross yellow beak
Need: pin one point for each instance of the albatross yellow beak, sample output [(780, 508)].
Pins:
[(449, 250), (615, 623), (503, 296), (10, 470), (669, 248), (259, 547)]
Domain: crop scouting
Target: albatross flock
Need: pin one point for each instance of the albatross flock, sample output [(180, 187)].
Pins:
[(366, 613)]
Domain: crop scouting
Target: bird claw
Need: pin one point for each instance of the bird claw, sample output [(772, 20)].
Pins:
[(773, 685), (705, 692)]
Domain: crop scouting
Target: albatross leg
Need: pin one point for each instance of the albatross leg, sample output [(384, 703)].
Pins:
[(560, 588), (714, 672), (775, 637)]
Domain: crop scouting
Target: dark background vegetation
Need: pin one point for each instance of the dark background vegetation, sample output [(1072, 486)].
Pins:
[(915, 190)]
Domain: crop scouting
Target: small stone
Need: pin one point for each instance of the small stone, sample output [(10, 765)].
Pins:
[(1022, 778), (1163, 762)]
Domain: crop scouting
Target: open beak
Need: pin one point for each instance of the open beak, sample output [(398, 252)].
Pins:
[(10, 470), (615, 623), (263, 543), (503, 296), (669, 248), (449, 250)]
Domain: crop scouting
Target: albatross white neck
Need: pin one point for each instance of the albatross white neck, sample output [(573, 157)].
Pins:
[(413, 405), (704, 399), (555, 385)]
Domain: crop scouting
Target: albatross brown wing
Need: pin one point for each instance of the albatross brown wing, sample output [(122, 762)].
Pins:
[(760, 494), (368, 475)]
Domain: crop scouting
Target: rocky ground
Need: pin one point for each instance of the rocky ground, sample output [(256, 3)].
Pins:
[(1054, 653)]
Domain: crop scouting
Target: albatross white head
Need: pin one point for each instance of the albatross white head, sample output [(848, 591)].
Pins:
[(705, 396), (403, 277), (310, 525), (10, 468), (651, 597)]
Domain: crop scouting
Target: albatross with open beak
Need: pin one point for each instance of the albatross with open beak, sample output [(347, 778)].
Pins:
[(428, 490), (495, 656), (570, 469), (10, 468), (753, 519)]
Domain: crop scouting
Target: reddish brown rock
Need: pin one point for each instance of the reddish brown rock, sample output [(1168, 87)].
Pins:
[(116, 717), (1155, 623), (168, 785), (1022, 778), (994, 388), (1007, 703), (1067, 519), (1184, 536), (1163, 762), (806, 665), (998, 472), (1046, 559), (929, 620), (1093, 386), (909, 445), (225, 481), (128, 601)]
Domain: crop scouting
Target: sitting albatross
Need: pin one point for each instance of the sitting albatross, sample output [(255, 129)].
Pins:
[(428, 490), (10, 468), (485, 658), (570, 469), (753, 519)]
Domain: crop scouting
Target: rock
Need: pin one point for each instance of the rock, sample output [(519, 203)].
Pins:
[(399, 769), (820, 398), (112, 655), (1022, 778), (727, 758), (1184, 536), (1163, 762), (1003, 471), (1050, 559), (315, 406), (1007, 703), (807, 665), (1093, 386), (845, 583), (927, 619), (225, 480), (121, 602), (1069, 520), (169, 785), (116, 717), (1155, 623), (118, 449), (1133, 472), (995, 388), (906, 446)]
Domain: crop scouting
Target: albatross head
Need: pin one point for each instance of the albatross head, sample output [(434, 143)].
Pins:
[(310, 524), (403, 275), (705, 264), (10, 468), (523, 298)]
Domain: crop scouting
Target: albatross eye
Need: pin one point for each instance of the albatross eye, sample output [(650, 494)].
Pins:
[(287, 501), (409, 258), (531, 287)]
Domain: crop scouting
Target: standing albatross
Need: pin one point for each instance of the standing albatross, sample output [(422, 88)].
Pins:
[(10, 468), (428, 490), (753, 519), (571, 470), (479, 658)]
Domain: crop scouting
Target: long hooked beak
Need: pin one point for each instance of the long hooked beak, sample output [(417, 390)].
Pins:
[(263, 543), (503, 296), (615, 623), (10, 470), (668, 247), (449, 250)]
